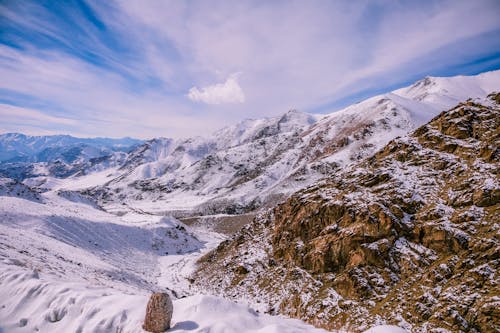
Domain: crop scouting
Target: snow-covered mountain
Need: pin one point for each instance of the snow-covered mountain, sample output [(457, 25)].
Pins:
[(16, 147), (257, 162), (23, 156)]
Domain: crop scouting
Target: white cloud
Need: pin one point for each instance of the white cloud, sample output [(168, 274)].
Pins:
[(221, 93)]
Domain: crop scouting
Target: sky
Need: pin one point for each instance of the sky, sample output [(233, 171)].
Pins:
[(146, 69)]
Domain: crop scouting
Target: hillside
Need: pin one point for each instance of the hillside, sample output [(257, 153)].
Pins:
[(257, 163), (407, 236), (68, 267)]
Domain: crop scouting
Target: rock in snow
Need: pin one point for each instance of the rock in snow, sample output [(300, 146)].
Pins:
[(158, 313)]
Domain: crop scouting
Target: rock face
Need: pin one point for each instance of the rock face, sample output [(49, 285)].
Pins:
[(408, 237), (158, 313)]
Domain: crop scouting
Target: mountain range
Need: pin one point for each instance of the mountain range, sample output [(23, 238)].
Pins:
[(249, 165), (384, 212)]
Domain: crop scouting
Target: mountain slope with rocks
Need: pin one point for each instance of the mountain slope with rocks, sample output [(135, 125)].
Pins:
[(408, 236), (257, 163)]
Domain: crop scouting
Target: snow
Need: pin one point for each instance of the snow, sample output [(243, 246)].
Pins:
[(443, 91), (31, 301), (66, 266)]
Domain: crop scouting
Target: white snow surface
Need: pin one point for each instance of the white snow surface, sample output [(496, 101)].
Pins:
[(31, 302), (66, 266)]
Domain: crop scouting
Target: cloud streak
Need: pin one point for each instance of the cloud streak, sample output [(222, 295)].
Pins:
[(165, 68)]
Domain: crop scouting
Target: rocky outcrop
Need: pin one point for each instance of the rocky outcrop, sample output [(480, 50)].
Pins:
[(13, 188), (408, 236), (158, 313)]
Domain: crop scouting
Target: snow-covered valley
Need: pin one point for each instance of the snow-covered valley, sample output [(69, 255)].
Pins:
[(81, 250), (69, 267)]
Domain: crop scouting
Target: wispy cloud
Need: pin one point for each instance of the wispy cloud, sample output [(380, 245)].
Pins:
[(19, 119), (125, 67), (10, 113)]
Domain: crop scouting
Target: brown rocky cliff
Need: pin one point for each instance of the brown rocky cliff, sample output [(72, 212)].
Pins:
[(408, 236)]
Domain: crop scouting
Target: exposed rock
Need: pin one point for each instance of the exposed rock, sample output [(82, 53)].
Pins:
[(158, 313), (408, 236)]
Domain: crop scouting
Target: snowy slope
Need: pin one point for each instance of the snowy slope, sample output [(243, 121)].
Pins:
[(68, 267), (34, 302), (440, 92), (12, 188), (69, 237), (256, 162)]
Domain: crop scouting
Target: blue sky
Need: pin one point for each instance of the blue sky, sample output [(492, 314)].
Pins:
[(182, 68)]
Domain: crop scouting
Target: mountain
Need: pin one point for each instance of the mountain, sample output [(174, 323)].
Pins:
[(23, 156), (259, 162), (407, 236), (16, 147), (348, 221), (213, 174)]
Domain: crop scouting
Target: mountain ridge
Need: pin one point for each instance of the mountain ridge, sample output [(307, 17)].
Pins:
[(258, 162), (275, 156)]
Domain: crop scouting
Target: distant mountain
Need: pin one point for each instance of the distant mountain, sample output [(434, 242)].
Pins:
[(407, 236), (23, 156), (16, 147), (258, 162)]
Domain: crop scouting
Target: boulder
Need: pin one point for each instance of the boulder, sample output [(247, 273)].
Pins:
[(158, 313)]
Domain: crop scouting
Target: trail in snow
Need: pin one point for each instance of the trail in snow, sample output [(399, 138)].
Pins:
[(176, 269)]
